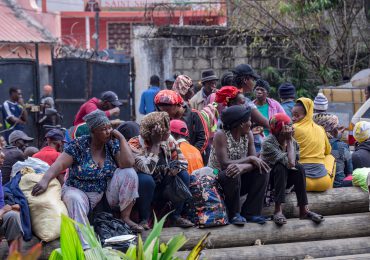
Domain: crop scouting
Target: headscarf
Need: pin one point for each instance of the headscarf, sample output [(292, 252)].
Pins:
[(312, 139), (182, 84), (129, 129), (169, 97), (225, 94), (96, 119), (277, 122), (361, 131), (150, 121), (328, 121), (233, 116)]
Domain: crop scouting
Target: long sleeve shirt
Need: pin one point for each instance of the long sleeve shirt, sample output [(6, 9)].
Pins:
[(147, 100)]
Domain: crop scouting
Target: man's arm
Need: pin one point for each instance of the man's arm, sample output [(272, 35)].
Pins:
[(259, 119), (142, 105)]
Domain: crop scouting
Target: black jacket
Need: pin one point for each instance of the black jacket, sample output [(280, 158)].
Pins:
[(197, 133), (361, 155)]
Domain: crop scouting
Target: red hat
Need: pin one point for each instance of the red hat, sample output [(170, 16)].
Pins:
[(179, 127), (169, 97)]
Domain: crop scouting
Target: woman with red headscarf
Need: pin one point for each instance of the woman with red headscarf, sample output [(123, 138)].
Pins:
[(281, 152)]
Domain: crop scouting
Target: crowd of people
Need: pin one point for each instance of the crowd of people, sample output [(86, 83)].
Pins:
[(252, 146)]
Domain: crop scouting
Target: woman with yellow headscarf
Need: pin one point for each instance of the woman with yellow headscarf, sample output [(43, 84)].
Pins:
[(315, 149)]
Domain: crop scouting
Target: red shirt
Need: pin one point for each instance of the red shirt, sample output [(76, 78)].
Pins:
[(88, 107), (47, 154)]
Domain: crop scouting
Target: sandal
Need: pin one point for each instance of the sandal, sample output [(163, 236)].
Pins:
[(136, 228), (183, 223), (317, 218), (279, 219), (144, 224), (238, 220), (256, 219)]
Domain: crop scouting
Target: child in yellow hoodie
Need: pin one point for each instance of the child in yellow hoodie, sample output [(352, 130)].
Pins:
[(315, 149)]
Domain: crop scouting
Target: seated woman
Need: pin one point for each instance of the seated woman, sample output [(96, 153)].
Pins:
[(281, 152), (314, 147), (240, 172), (97, 163), (339, 149), (154, 150), (361, 155)]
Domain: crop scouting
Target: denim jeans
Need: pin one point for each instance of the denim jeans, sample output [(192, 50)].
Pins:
[(148, 191)]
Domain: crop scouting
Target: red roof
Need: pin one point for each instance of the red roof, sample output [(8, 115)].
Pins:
[(13, 29)]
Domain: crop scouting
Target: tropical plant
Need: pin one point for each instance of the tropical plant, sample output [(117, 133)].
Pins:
[(71, 247)]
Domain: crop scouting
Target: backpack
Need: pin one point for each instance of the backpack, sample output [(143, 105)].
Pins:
[(206, 208)]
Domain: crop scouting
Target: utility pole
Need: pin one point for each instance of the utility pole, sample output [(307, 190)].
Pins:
[(94, 7)]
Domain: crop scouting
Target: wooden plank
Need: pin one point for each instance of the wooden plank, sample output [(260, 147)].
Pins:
[(295, 230), (298, 250), (332, 202), (347, 257)]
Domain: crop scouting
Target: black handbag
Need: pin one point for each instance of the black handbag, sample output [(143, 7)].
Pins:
[(175, 190)]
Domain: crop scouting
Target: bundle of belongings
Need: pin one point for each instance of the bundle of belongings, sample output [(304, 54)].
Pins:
[(43, 211), (206, 208)]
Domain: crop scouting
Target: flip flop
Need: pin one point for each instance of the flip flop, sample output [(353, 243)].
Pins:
[(136, 228), (279, 219), (317, 218), (256, 219)]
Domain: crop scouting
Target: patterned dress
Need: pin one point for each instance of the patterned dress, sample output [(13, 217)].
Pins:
[(235, 150)]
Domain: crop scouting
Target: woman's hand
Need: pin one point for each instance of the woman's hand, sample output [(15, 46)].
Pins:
[(156, 136), (116, 134), (233, 170), (173, 171), (40, 187), (287, 132), (259, 163)]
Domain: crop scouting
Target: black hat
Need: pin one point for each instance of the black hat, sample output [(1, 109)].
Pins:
[(245, 70), (227, 79), (55, 134), (234, 116), (286, 90), (111, 97), (208, 75)]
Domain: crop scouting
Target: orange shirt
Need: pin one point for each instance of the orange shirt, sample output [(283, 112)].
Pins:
[(192, 155)]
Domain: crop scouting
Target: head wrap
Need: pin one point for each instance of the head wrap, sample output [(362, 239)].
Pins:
[(182, 84), (96, 119), (129, 129), (320, 102), (233, 116), (224, 94), (361, 131), (328, 121), (168, 97), (263, 84), (277, 122), (153, 119)]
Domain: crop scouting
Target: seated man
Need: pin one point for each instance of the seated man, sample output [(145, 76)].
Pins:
[(10, 221), (180, 132), (14, 152), (281, 152), (361, 155), (50, 153), (154, 149), (240, 172)]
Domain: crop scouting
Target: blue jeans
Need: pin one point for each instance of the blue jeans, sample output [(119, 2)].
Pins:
[(147, 192)]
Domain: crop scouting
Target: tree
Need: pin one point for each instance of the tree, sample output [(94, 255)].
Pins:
[(330, 37)]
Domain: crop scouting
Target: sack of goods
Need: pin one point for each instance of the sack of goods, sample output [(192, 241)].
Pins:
[(45, 209), (207, 204), (361, 178)]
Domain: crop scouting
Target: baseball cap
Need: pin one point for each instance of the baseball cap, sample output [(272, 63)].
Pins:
[(19, 135), (55, 134), (245, 70), (111, 97), (179, 127)]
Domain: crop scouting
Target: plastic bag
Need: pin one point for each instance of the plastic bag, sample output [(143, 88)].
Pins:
[(360, 176), (37, 165), (106, 226), (175, 189), (45, 209)]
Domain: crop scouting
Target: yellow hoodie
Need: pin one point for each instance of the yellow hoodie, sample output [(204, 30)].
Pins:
[(313, 142)]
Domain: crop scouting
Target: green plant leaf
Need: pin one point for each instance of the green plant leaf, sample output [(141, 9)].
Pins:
[(155, 254), (156, 231), (131, 252), (140, 249), (173, 246), (56, 254), (69, 241)]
